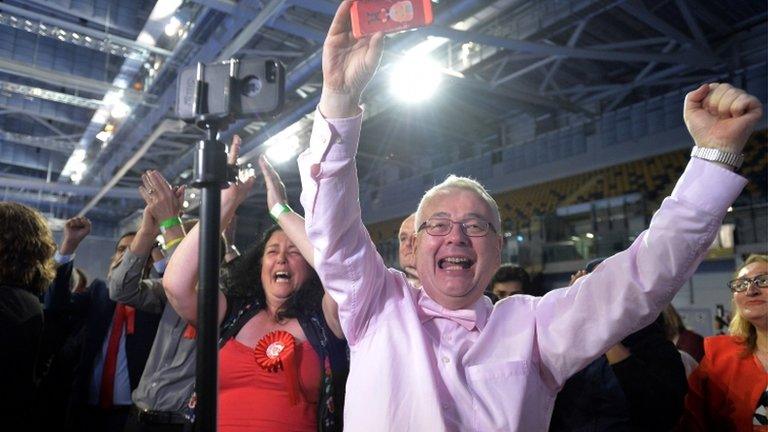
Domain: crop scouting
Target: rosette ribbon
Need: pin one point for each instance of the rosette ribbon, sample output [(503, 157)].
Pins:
[(277, 351)]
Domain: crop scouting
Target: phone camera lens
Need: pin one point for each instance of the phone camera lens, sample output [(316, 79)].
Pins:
[(251, 86)]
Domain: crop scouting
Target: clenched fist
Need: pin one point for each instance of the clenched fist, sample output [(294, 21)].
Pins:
[(75, 230), (721, 116)]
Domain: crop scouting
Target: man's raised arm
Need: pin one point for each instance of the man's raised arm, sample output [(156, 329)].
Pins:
[(628, 290), (125, 281), (351, 270)]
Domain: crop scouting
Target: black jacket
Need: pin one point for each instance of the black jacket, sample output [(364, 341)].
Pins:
[(96, 310), (21, 327), (644, 392)]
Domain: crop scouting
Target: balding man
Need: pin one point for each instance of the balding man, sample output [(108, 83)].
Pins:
[(405, 238), (442, 357)]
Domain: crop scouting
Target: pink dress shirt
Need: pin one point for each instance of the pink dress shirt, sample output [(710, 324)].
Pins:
[(417, 371)]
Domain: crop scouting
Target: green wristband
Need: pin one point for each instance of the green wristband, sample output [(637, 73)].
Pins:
[(169, 223), (279, 209)]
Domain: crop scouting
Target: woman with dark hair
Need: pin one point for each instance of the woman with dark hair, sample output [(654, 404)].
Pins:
[(685, 340), (729, 389), (283, 360), (26, 269)]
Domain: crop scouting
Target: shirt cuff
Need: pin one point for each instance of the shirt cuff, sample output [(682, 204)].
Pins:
[(334, 139), (709, 187), (62, 259)]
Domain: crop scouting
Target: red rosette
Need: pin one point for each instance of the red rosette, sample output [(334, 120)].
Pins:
[(276, 351)]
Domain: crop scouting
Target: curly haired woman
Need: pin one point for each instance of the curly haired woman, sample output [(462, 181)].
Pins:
[(26, 269)]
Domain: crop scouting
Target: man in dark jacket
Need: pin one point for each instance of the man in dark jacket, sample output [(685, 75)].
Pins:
[(638, 385), (116, 340)]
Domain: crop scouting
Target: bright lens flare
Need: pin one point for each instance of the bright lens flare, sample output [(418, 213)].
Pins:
[(415, 79), (282, 150)]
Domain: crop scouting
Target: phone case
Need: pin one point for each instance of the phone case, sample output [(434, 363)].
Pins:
[(388, 16)]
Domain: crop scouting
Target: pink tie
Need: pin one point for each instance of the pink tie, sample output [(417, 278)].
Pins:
[(429, 309)]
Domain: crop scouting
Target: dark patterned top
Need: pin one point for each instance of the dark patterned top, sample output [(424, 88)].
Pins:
[(761, 411)]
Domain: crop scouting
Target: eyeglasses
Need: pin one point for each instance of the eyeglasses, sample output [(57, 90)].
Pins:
[(439, 226), (743, 284)]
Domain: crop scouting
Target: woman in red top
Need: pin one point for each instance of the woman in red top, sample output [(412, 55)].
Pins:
[(729, 389), (271, 372)]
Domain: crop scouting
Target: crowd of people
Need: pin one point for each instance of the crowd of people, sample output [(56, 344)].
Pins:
[(316, 333)]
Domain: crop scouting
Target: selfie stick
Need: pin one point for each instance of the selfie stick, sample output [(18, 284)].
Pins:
[(210, 176)]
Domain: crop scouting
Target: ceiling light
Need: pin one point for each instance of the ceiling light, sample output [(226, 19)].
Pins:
[(78, 155), (283, 150), (415, 79), (589, 235), (173, 26), (103, 136), (113, 97), (164, 9), (120, 110), (146, 38), (101, 116)]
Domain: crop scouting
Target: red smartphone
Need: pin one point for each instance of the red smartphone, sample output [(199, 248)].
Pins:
[(388, 16)]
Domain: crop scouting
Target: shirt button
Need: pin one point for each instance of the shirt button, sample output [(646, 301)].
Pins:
[(445, 406), (446, 359), (154, 384)]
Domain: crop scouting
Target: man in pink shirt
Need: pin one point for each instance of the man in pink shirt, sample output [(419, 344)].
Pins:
[(443, 358)]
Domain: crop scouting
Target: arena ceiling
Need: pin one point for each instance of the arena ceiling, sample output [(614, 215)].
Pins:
[(87, 87)]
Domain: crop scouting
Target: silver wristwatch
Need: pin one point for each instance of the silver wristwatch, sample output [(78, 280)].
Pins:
[(715, 155)]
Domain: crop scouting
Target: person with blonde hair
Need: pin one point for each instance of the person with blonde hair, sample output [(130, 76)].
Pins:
[(729, 389), (26, 269)]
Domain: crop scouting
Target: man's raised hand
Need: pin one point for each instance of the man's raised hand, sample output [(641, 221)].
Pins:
[(721, 116), (75, 230), (162, 200), (348, 65)]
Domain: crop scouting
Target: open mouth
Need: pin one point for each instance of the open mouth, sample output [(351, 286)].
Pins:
[(455, 263), (282, 276)]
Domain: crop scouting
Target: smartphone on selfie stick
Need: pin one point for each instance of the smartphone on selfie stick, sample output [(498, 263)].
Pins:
[(211, 96), (389, 16)]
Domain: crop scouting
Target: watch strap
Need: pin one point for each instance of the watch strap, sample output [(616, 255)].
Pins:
[(716, 155)]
